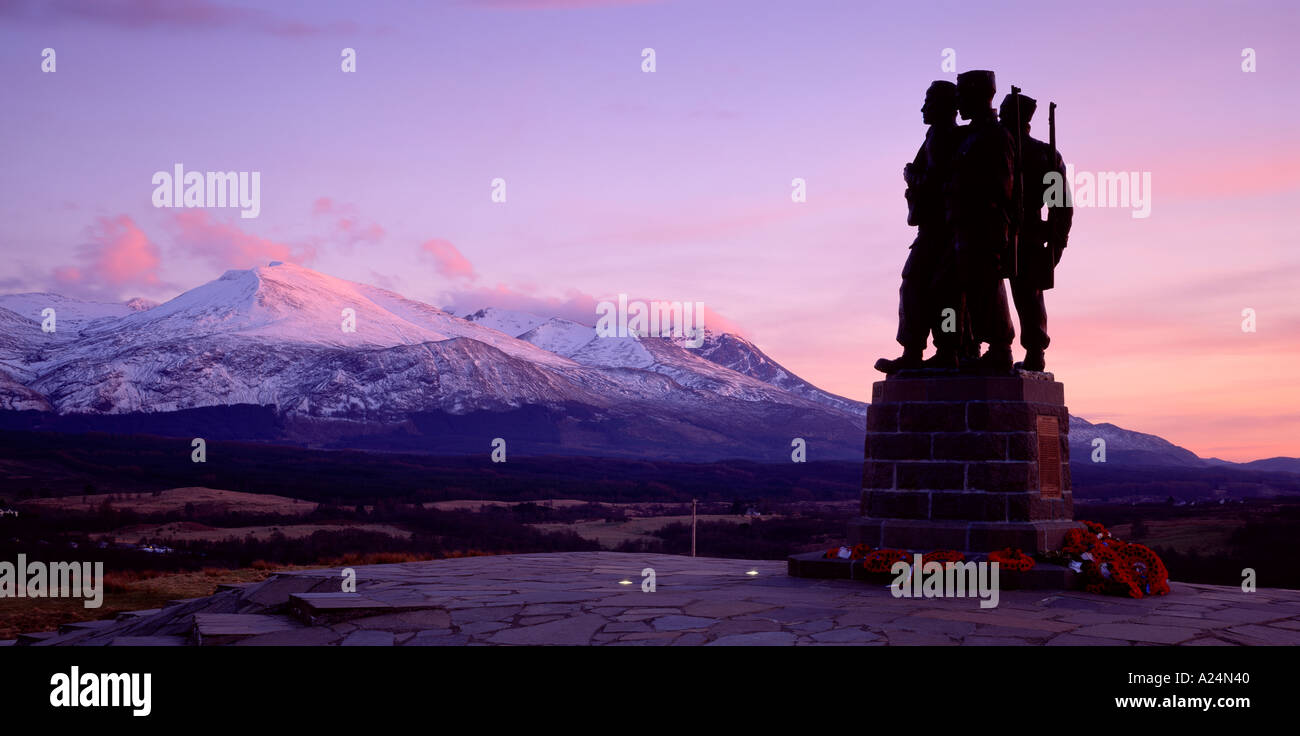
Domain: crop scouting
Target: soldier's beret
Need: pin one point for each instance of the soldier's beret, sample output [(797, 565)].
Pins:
[(1027, 107), (981, 80)]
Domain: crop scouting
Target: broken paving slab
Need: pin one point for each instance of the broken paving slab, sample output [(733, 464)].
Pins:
[(149, 641), (333, 608), (215, 629)]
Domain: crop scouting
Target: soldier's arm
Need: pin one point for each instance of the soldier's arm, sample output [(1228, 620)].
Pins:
[(912, 172), (1001, 173), (1059, 219)]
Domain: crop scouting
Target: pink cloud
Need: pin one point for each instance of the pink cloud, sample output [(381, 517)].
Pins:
[(227, 246), (348, 228), (119, 255), (173, 14), (448, 260)]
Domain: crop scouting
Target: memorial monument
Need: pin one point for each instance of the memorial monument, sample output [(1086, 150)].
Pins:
[(969, 451)]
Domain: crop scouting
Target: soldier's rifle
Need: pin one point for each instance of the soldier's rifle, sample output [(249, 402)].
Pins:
[(1018, 189)]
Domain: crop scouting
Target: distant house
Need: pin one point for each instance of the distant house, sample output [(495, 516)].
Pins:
[(9, 512)]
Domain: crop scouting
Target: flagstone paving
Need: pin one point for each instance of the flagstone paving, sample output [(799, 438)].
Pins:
[(581, 598)]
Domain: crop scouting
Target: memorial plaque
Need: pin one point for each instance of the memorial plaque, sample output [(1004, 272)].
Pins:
[(1049, 456)]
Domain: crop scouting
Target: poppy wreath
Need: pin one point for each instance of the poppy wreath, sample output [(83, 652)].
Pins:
[(1143, 572), (1077, 542), (1012, 559), (1095, 528), (943, 555), (1111, 566), (882, 560)]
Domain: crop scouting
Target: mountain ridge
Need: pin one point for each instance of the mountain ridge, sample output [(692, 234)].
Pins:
[(275, 335)]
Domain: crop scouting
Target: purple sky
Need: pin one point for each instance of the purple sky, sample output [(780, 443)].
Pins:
[(676, 185)]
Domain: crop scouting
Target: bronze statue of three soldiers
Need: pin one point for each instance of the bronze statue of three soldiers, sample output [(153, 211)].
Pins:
[(975, 194)]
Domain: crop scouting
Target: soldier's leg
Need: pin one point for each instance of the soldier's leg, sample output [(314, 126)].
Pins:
[(991, 322), (913, 327), (1033, 323), (913, 322), (986, 298), (1033, 315), (947, 310)]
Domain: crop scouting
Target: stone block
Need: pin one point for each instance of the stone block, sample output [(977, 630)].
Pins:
[(969, 446), (930, 476), (897, 504), (1002, 477), (924, 534), (1022, 446), (898, 446), (877, 474), (968, 505), (882, 418), (932, 416)]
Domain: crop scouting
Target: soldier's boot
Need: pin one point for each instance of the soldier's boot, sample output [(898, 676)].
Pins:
[(996, 361), (942, 360), (1034, 361), (911, 358)]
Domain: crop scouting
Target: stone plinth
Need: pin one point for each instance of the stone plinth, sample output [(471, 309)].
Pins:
[(966, 462)]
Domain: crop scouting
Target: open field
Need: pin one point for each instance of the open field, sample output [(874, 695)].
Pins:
[(1204, 536), (206, 502), (610, 534), (188, 531)]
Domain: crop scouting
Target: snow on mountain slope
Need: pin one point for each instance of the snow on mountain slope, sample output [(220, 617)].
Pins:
[(740, 355), (273, 335), (14, 396), (444, 322), (70, 314), (279, 302), (361, 384), (615, 352), (508, 321), (689, 367), (140, 304), (559, 336)]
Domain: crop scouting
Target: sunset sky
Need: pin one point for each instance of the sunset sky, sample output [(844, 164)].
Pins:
[(676, 184)]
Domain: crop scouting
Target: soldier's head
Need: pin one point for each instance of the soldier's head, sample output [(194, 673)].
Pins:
[(975, 90), (940, 103), (1007, 112)]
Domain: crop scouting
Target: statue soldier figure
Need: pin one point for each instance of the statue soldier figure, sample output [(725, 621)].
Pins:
[(1041, 242), (928, 276), (980, 211)]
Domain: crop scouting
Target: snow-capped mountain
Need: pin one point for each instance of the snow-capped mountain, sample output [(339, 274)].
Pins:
[(1126, 447), (688, 366), (342, 360), (343, 364)]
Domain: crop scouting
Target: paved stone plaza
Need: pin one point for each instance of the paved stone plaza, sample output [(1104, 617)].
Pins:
[(596, 598)]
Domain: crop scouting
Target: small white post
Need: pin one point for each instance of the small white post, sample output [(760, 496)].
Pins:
[(692, 527)]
